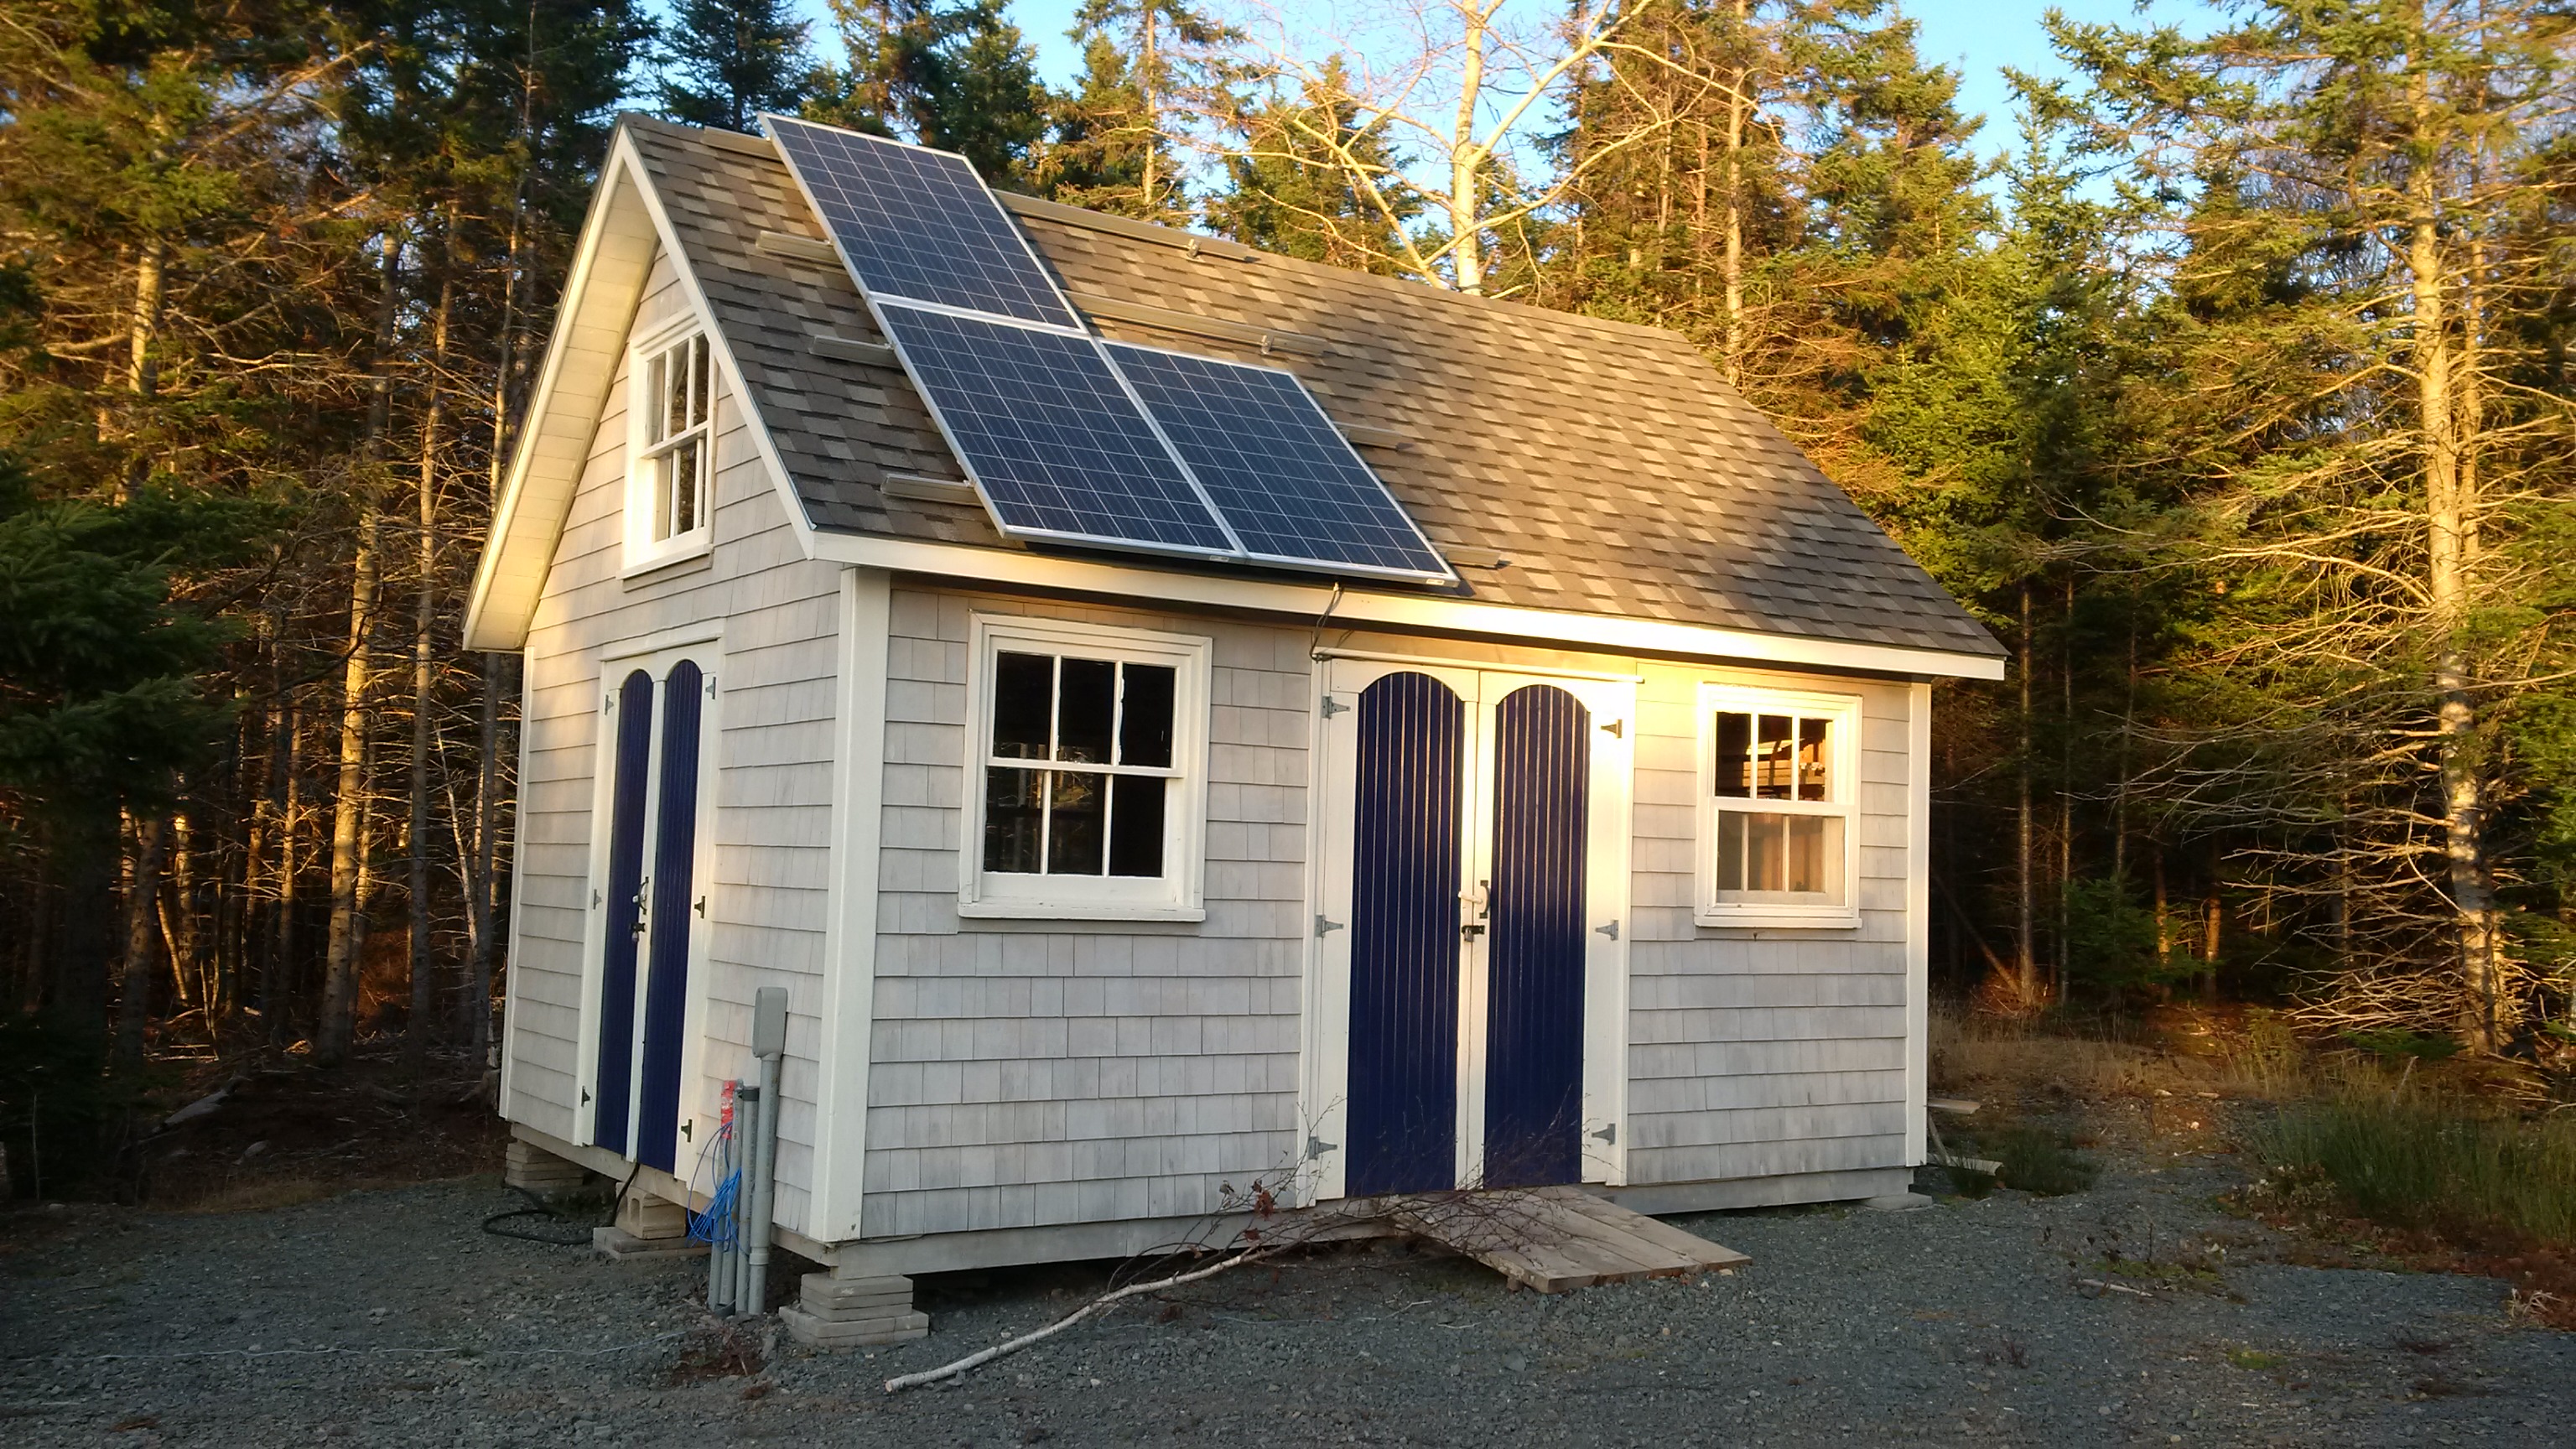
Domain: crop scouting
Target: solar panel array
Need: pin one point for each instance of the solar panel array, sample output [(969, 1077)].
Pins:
[(1068, 438)]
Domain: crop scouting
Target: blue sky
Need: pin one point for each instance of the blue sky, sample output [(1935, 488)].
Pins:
[(1978, 37)]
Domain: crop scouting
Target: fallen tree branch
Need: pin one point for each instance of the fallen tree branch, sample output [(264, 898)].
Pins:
[(979, 1359)]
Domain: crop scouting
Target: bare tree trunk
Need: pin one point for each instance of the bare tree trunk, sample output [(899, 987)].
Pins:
[(424, 996), (1148, 82), (2026, 886), (340, 969), (1466, 158), (2065, 786), (1738, 105), (2446, 516), (178, 915), (142, 897), (485, 887)]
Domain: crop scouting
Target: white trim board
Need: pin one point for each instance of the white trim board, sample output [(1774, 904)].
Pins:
[(850, 949), (960, 563)]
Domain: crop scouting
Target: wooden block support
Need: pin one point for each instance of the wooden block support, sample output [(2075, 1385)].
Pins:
[(526, 1165), (834, 1313)]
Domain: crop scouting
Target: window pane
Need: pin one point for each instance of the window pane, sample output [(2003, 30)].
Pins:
[(686, 468), (1086, 701), (1012, 820), (675, 392), (1023, 701), (1763, 868), (1145, 718), (698, 389), (1730, 849), (1774, 740), (1734, 754), (1136, 825), (1806, 852), (656, 375), (1076, 805), (1812, 755)]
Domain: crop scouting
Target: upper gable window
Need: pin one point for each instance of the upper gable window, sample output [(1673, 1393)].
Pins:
[(1086, 772), (672, 478), (1778, 835)]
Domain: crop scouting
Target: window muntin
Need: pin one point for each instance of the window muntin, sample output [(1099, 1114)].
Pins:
[(675, 458), (1085, 753), (1776, 807)]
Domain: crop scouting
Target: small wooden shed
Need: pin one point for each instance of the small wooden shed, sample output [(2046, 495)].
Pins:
[(1099, 878)]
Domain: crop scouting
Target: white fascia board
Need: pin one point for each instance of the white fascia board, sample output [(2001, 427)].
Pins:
[(545, 417), (1609, 632)]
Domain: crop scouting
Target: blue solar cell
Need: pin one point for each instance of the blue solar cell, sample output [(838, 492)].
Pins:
[(918, 224), (1277, 468), (1057, 445)]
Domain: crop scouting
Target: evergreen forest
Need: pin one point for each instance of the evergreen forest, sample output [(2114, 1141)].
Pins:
[(2229, 385)]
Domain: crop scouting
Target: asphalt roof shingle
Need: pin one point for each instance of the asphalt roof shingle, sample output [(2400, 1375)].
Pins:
[(1608, 462)]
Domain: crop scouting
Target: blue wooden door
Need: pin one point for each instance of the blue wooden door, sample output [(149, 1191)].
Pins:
[(1535, 939), (673, 891), (1406, 832), (631, 763)]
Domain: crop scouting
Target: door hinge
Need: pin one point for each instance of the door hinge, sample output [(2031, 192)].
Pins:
[(685, 1129), (1333, 706), (594, 898), (1609, 1133), (1322, 926), (1611, 930), (1317, 1147), (702, 909), (1616, 729), (585, 1096)]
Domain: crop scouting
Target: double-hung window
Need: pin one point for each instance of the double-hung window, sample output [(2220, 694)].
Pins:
[(674, 458), (1777, 825), (1086, 772)]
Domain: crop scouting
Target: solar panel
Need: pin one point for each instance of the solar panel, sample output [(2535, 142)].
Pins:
[(1057, 446), (918, 224), (1276, 467)]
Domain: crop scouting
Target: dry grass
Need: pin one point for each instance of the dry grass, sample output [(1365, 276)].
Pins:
[(2253, 1054)]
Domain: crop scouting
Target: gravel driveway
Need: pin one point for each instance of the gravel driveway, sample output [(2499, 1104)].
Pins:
[(389, 1318)]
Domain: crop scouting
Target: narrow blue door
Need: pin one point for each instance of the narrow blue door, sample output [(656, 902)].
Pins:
[(1534, 961), (634, 753), (666, 982), (1403, 1091)]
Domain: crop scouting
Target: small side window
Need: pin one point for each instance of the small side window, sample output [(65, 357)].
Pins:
[(1776, 826), (672, 479)]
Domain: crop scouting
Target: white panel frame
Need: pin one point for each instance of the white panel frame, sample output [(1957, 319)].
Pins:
[(1324, 1075), (1847, 713)]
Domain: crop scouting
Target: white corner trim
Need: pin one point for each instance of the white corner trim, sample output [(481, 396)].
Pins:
[(1609, 632), (1918, 918), (850, 937)]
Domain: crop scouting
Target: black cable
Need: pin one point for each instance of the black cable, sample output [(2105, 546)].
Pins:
[(556, 1236)]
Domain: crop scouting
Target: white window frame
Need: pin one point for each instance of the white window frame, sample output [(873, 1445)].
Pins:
[(1843, 803), (1177, 894), (644, 454)]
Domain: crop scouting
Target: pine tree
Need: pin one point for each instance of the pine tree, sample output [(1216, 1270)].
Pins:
[(1304, 180), (724, 62), (1149, 67), (960, 77)]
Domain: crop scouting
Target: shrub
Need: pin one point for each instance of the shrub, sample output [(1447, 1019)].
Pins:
[(2037, 1160), (2432, 1161)]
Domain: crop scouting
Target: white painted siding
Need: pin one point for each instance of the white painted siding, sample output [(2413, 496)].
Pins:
[(1754, 1053), (1033, 1072), (1027, 1073), (769, 869)]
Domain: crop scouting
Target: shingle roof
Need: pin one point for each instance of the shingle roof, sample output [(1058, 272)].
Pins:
[(1608, 462)]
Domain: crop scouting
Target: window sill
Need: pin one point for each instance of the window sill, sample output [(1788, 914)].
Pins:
[(1076, 911), (1780, 918), (661, 568)]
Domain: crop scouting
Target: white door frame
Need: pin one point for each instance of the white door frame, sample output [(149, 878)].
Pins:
[(656, 660), (1324, 1077)]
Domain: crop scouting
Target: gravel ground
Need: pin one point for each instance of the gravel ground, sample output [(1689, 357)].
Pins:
[(388, 1317)]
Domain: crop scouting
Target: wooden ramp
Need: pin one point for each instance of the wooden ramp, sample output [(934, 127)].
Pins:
[(1554, 1239)]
